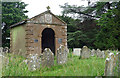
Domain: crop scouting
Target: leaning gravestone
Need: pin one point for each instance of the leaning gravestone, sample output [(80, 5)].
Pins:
[(85, 53), (110, 65), (77, 51), (62, 53), (33, 62), (47, 58)]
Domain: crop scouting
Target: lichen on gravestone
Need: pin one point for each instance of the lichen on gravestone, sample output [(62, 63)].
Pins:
[(109, 65), (85, 53), (107, 53), (112, 65), (62, 53), (1, 49), (0, 65), (47, 58), (6, 50), (100, 54), (117, 64), (93, 52), (33, 61)]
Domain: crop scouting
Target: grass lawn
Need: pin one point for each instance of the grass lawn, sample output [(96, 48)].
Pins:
[(74, 67)]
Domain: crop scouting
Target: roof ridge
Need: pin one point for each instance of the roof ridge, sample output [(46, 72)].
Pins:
[(32, 18)]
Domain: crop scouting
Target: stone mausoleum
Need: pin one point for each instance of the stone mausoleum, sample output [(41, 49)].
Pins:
[(37, 33)]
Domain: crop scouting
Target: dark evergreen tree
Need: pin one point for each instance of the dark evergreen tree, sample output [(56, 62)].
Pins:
[(103, 36), (109, 34), (12, 12), (84, 26)]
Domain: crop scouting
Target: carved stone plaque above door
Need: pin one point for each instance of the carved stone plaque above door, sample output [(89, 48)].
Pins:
[(48, 18)]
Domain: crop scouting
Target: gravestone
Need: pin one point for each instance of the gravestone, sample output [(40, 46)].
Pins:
[(3, 60), (77, 51), (100, 54), (110, 64), (93, 52), (0, 64), (33, 62), (1, 49), (6, 50), (67, 50), (119, 64), (47, 58), (85, 53), (107, 53), (62, 53), (103, 54)]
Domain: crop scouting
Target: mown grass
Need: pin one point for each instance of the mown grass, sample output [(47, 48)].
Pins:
[(74, 67)]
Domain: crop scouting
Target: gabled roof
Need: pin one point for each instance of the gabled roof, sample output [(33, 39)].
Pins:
[(25, 21)]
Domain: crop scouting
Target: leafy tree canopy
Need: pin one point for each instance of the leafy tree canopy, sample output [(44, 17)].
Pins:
[(109, 34)]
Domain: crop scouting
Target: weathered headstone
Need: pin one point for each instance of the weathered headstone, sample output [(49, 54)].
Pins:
[(6, 50), (103, 54), (62, 55), (119, 64), (77, 51), (4, 61), (85, 53), (93, 52), (47, 58), (107, 53), (1, 49), (116, 69), (0, 65), (33, 62), (110, 64), (100, 54)]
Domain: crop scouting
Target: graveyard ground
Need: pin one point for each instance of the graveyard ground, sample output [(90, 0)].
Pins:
[(74, 67)]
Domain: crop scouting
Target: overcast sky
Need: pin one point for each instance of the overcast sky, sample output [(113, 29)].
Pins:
[(36, 7)]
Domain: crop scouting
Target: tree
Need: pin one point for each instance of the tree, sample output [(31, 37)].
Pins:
[(75, 36), (109, 34), (103, 36), (12, 12), (82, 30), (92, 11)]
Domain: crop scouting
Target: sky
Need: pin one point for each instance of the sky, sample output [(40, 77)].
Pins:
[(36, 7)]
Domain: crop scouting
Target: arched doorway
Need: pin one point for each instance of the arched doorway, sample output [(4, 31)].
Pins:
[(48, 39)]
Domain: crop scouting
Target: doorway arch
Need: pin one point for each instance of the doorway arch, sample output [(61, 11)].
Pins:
[(48, 39)]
